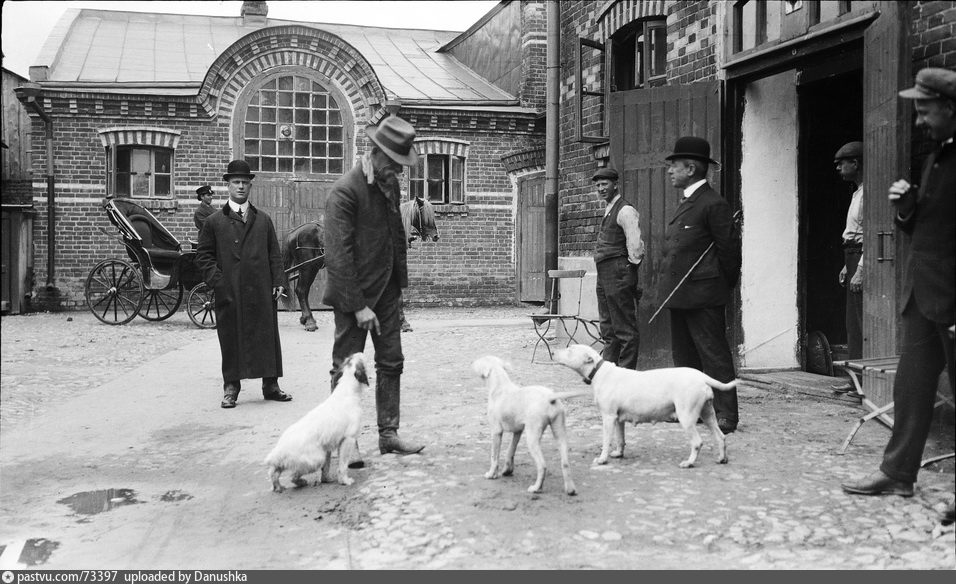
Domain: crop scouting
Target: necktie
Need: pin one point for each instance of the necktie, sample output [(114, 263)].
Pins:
[(241, 216)]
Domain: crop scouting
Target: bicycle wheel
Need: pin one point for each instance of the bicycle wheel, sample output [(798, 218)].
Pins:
[(161, 304), (114, 291), (201, 306)]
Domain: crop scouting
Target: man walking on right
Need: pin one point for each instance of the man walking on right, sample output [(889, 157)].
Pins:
[(929, 290), (701, 293)]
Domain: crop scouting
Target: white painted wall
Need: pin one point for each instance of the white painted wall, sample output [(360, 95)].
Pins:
[(768, 286)]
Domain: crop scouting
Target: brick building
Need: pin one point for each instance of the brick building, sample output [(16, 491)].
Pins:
[(136, 117), (17, 201), (776, 87)]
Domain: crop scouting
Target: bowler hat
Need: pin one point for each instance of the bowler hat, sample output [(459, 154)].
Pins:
[(203, 190), (694, 148), (238, 168), (608, 173), (932, 83), (849, 150), (396, 138)]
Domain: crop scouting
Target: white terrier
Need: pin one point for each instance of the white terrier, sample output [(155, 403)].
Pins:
[(307, 445)]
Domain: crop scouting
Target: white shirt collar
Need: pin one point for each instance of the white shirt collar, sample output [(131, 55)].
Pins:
[(693, 188), (611, 204), (237, 207)]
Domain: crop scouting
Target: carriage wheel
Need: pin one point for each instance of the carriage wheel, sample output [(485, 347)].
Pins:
[(201, 307), (161, 304), (114, 291)]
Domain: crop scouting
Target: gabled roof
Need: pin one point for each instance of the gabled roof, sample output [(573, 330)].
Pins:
[(112, 47)]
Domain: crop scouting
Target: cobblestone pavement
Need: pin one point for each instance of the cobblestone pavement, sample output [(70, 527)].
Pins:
[(776, 505)]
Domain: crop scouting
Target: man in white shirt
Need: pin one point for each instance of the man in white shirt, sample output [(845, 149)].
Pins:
[(618, 255), (849, 163)]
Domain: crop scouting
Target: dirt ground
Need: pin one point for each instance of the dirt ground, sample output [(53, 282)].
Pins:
[(86, 407)]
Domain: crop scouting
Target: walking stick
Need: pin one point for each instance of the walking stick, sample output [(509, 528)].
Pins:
[(737, 216)]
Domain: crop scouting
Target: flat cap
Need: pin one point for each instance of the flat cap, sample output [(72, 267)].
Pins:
[(608, 173), (849, 150), (932, 83)]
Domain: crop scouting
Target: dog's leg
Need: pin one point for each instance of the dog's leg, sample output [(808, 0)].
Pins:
[(607, 429), (560, 434), (689, 423), (495, 451), (297, 479), (534, 447), (618, 451), (343, 463), (324, 475), (510, 459), (709, 417), (274, 473)]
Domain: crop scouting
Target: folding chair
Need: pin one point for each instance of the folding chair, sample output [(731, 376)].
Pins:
[(884, 365), (572, 323)]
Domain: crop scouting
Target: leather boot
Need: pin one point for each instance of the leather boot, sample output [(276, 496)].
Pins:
[(230, 392), (271, 391), (354, 452), (387, 402)]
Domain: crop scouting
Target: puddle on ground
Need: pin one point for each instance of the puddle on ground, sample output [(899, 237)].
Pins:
[(35, 552), (173, 496), (93, 502)]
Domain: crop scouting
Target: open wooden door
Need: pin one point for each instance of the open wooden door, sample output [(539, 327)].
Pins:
[(644, 124), (530, 239)]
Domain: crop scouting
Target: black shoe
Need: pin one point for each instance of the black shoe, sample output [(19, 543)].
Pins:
[(726, 426), (228, 401), (878, 483), (271, 391), (230, 391)]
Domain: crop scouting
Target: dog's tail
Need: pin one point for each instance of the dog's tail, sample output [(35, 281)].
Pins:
[(718, 385), (570, 394)]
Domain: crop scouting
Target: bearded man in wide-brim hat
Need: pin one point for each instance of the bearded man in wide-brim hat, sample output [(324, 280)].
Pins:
[(366, 264)]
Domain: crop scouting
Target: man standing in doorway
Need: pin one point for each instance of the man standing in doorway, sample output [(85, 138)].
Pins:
[(700, 294), (849, 163), (239, 258), (366, 261), (928, 215), (617, 257)]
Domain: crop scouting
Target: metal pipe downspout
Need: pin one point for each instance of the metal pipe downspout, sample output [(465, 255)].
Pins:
[(552, 138), (50, 207)]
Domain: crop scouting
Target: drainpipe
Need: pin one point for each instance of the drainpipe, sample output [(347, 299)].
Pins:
[(552, 139), (27, 94)]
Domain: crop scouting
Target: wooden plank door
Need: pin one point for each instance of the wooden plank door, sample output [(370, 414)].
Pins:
[(308, 204), (886, 141), (644, 124), (530, 239)]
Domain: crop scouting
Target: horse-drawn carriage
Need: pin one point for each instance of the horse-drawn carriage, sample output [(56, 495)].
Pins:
[(152, 279)]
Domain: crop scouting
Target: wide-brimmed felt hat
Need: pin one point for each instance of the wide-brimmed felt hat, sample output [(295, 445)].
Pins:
[(238, 168), (203, 190), (694, 148), (605, 173), (396, 138), (932, 83), (849, 150)]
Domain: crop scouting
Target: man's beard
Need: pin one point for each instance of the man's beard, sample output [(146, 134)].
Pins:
[(387, 182)]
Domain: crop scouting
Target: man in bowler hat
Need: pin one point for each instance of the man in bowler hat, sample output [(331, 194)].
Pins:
[(617, 256), (703, 217), (849, 164), (205, 208), (366, 263), (239, 258), (927, 214)]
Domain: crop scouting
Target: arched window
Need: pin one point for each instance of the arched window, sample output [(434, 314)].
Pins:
[(439, 176), (293, 124), (140, 161), (639, 55)]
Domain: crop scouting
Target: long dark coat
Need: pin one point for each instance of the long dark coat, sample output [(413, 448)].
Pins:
[(242, 262), (703, 218), (365, 243)]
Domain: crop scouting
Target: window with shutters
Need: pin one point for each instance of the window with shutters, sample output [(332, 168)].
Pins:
[(439, 176)]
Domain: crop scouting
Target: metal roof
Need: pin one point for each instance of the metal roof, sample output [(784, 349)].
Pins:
[(105, 47)]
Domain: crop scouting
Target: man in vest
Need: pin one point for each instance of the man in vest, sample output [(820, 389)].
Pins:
[(618, 255)]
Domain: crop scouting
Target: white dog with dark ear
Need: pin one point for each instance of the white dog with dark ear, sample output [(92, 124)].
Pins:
[(624, 395), (307, 445), (519, 410)]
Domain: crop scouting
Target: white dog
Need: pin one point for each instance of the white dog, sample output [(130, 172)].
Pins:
[(307, 445), (624, 395), (518, 409)]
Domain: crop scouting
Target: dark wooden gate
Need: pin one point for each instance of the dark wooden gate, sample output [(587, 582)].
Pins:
[(530, 239), (644, 124), (886, 140), (291, 203)]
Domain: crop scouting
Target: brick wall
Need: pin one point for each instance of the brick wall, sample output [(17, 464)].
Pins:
[(934, 35)]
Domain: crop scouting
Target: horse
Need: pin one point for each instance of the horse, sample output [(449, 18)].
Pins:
[(303, 250)]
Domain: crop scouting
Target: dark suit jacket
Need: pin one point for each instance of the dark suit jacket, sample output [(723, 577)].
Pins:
[(703, 218), (365, 243), (929, 273)]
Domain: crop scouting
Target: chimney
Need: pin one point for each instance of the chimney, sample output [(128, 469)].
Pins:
[(254, 13)]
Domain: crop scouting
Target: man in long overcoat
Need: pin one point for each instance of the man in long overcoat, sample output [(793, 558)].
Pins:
[(698, 335), (366, 262), (239, 258)]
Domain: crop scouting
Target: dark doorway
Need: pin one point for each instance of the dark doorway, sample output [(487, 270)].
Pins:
[(830, 115)]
